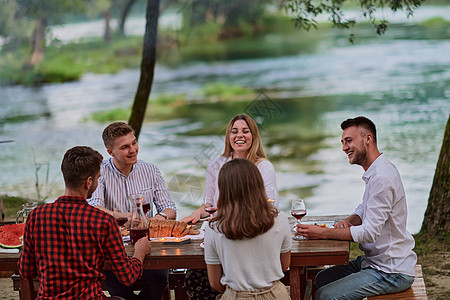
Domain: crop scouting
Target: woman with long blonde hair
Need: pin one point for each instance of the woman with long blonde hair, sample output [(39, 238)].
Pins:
[(242, 140), (244, 222)]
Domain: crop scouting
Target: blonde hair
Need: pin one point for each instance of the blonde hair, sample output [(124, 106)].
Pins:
[(256, 152), (242, 209)]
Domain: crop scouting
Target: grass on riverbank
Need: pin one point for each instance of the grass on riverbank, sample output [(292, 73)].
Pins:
[(169, 106), (276, 37)]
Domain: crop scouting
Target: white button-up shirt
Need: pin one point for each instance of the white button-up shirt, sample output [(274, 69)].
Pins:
[(114, 188), (382, 235)]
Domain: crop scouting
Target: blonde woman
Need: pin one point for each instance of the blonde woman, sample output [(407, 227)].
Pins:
[(245, 221), (242, 140)]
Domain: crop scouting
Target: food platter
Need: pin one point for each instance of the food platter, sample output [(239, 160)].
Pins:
[(328, 224)]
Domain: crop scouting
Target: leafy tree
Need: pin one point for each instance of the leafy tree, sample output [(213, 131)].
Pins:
[(306, 11), (42, 12), (437, 216), (231, 15), (11, 29)]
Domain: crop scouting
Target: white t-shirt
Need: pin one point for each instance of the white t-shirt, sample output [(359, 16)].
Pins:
[(250, 264), (265, 167), (382, 235)]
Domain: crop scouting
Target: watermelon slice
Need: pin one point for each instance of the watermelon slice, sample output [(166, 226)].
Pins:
[(11, 235)]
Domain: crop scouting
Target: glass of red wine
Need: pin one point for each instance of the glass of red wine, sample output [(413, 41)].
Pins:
[(142, 200), (120, 218), (298, 211), (211, 210)]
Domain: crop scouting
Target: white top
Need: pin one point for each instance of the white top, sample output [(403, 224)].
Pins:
[(114, 188), (265, 167), (250, 264), (383, 236)]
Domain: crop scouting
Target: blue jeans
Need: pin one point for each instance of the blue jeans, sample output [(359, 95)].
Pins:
[(152, 285), (352, 282)]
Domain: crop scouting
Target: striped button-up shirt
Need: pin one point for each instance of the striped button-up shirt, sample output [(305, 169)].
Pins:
[(66, 244), (114, 188)]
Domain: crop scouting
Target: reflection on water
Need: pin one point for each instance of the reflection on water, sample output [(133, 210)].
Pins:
[(401, 84)]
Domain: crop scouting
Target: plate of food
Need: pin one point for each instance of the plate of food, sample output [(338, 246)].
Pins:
[(328, 224)]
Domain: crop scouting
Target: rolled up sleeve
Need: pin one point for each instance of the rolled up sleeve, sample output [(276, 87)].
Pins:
[(379, 206)]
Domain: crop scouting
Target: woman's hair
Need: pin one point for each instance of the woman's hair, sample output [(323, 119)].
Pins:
[(256, 152), (242, 209)]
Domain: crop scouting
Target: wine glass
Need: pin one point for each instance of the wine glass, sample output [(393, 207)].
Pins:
[(120, 219), (211, 210), (298, 211)]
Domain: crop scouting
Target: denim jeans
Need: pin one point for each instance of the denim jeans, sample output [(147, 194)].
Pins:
[(352, 282), (152, 285)]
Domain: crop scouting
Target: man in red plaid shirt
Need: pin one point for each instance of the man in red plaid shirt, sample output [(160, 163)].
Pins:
[(67, 242)]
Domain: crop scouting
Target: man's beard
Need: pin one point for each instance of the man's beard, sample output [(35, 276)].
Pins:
[(91, 190), (360, 156)]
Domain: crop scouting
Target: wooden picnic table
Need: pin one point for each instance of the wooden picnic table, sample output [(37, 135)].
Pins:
[(191, 256)]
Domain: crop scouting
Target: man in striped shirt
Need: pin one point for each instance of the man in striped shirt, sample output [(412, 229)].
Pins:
[(123, 175), (67, 242)]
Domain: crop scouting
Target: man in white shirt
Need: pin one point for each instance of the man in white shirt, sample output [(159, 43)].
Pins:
[(378, 224)]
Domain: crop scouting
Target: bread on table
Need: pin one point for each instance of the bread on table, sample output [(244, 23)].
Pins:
[(169, 228)]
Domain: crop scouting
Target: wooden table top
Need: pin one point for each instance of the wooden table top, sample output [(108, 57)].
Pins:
[(191, 255)]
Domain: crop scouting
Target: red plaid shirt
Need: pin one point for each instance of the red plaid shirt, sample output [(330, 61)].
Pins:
[(66, 244)]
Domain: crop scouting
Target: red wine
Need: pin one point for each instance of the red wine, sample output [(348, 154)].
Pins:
[(121, 220), (298, 214), (211, 209), (145, 208), (137, 233)]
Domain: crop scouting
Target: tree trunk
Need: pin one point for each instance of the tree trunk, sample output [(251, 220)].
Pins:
[(37, 44), (107, 17), (124, 15), (147, 67), (437, 216)]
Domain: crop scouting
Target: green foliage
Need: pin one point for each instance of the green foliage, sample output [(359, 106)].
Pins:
[(111, 115), (306, 12), (224, 91), (205, 32), (232, 16), (355, 251), (68, 62), (12, 204), (436, 22), (170, 99), (53, 9)]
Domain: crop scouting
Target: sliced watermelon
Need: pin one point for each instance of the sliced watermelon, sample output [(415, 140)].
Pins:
[(11, 235)]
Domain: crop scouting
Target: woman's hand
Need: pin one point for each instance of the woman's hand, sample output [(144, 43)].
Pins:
[(194, 217)]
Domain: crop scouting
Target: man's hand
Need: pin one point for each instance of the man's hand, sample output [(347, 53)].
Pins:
[(315, 232), (158, 217), (312, 232), (142, 248), (343, 224)]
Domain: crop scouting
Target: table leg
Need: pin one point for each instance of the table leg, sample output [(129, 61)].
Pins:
[(297, 282)]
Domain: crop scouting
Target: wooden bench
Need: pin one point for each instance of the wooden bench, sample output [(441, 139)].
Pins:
[(27, 288), (416, 291)]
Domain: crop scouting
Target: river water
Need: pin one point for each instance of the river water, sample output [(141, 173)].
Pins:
[(401, 81)]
